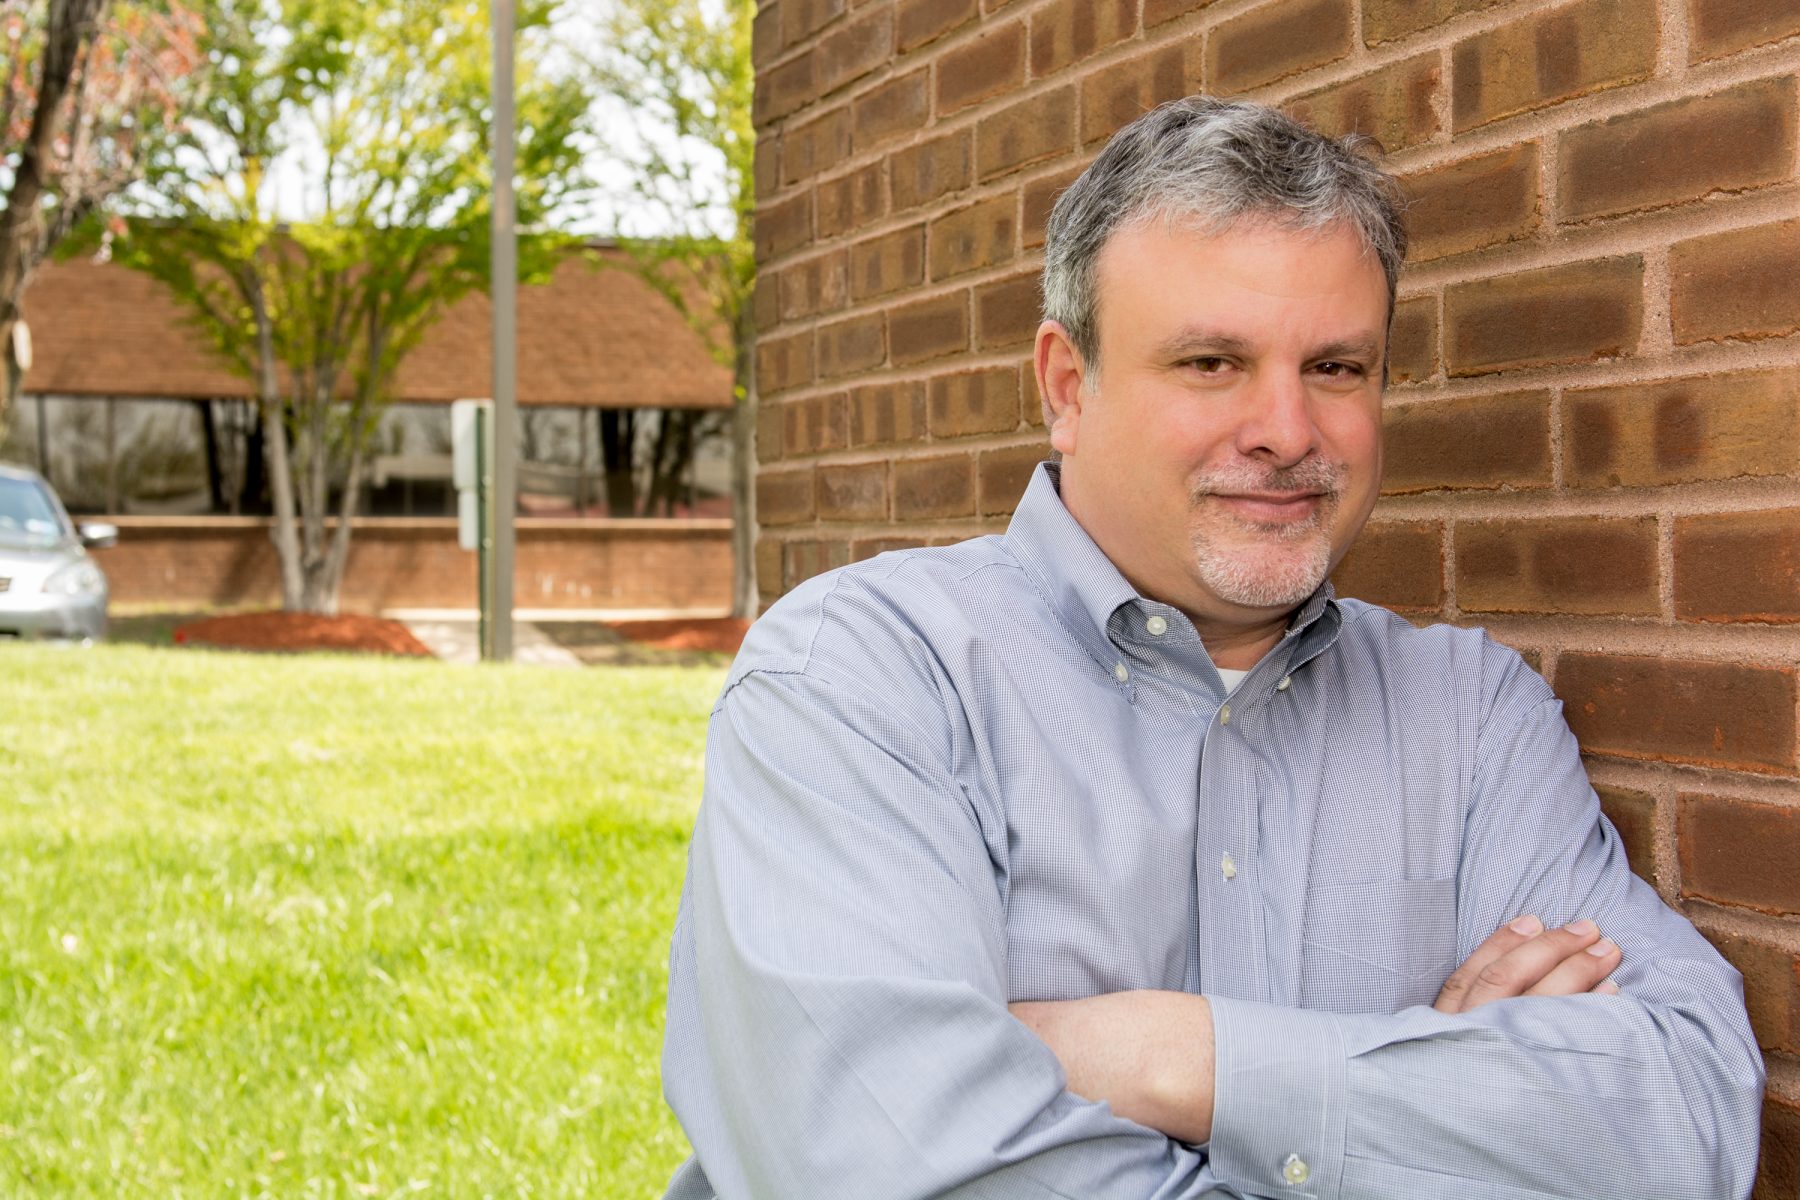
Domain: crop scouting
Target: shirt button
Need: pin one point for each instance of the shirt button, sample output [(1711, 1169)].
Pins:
[(1225, 714), (1157, 626), (1227, 868), (1120, 672), (1295, 1170)]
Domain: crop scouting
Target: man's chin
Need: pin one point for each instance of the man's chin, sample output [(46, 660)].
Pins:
[(1250, 580)]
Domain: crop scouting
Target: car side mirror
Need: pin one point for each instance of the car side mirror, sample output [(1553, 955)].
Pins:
[(98, 536)]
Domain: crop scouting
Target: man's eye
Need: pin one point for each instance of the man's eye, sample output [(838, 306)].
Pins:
[(1209, 364), (1338, 370)]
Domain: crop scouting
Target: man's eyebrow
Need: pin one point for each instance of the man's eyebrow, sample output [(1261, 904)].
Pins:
[(1363, 347), (1191, 343)]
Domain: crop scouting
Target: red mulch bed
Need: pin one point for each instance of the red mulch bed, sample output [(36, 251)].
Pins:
[(719, 634), (303, 631)]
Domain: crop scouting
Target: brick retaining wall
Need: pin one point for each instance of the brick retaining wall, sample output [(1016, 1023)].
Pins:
[(1594, 433)]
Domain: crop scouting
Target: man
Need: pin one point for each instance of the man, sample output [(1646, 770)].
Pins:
[(1219, 839)]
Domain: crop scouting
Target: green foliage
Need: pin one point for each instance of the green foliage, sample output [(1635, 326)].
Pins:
[(316, 926)]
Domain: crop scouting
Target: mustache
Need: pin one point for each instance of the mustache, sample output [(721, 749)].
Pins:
[(1312, 474)]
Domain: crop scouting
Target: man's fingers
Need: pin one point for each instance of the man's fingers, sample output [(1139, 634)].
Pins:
[(1515, 933), (1526, 966), (1578, 973)]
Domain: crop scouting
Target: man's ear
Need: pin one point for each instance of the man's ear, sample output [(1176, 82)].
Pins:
[(1061, 378)]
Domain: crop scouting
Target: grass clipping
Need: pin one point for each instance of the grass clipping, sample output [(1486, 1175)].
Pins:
[(332, 927)]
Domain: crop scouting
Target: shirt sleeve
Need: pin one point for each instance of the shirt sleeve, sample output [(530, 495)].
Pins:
[(837, 1015), (1653, 1093)]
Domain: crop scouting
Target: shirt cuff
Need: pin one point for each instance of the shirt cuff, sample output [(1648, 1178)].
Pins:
[(1278, 1100)]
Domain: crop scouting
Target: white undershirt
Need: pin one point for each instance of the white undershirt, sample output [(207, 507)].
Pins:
[(1231, 678)]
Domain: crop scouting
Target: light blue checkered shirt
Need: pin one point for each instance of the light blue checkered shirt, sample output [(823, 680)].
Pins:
[(944, 780)]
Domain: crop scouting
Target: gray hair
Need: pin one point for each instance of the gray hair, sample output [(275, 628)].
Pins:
[(1215, 163)]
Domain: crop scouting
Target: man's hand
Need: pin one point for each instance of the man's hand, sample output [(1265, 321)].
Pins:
[(1522, 958), (1148, 1054)]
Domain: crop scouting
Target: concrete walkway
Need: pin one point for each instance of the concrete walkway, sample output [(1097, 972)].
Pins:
[(456, 640)]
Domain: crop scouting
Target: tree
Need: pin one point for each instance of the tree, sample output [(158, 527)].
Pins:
[(682, 68), (380, 112), (88, 88)]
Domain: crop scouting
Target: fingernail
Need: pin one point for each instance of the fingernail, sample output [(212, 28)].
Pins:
[(1583, 927), (1608, 987), (1602, 948), (1527, 926)]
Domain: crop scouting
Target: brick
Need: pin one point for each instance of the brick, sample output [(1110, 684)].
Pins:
[(1720, 27), (867, 548), (769, 583), (1549, 57), (892, 109), (1474, 203), (1736, 285), (1498, 441), (853, 492), (765, 36), (1003, 475), (1738, 852), (783, 227), (784, 90), (1633, 814), (1684, 150), (1413, 340), (887, 412), (1771, 987), (1274, 41), (767, 168), (1390, 20), (929, 488), (1397, 105), (853, 50), (930, 328), (1739, 567), (884, 264), (1039, 197), (1682, 430), (852, 345), (1067, 31), (1712, 714), (800, 19), (820, 284), (931, 170), (1117, 95), (810, 150), (784, 497), (1029, 131), (1006, 312), (1778, 1171), (1158, 12), (981, 235), (803, 559), (769, 420), (765, 302), (1561, 314), (1560, 565), (1397, 564), (920, 21), (1031, 402), (783, 363), (990, 65), (851, 201), (815, 425), (971, 402)]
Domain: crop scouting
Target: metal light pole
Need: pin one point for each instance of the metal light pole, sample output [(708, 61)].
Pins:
[(504, 291)]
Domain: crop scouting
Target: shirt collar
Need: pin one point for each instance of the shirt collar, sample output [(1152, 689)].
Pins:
[(1085, 589)]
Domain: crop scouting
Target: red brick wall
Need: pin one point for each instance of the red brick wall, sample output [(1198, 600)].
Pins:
[(415, 563), (1594, 433)]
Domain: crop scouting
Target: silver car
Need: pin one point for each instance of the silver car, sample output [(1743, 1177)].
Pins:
[(49, 585)]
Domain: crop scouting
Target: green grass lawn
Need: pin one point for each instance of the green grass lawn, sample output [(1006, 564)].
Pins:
[(321, 926)]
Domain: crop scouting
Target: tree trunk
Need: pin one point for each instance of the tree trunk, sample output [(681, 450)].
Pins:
[(745, 596), (275, 447), (12, 379)]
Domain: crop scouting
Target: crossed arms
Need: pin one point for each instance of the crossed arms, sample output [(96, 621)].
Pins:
[(839, 1021)]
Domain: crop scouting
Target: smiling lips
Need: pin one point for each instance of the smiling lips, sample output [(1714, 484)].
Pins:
[(1272, 508)]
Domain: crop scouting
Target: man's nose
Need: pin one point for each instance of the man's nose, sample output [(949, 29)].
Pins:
[(1278, 423)]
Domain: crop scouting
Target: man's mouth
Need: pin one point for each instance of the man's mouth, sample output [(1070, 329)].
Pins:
[(1272, 508)]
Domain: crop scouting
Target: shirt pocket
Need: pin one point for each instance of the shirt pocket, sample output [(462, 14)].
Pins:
[(1378, 946)]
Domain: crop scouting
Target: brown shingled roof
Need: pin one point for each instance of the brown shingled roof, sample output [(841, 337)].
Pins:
[(591, 336)]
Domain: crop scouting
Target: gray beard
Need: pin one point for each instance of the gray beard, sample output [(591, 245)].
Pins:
[(1300, 554)]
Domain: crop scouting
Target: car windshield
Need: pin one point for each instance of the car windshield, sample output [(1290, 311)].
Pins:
[(28, 516)]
